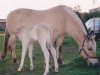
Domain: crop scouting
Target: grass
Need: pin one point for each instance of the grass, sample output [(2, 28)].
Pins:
[(74, 64)]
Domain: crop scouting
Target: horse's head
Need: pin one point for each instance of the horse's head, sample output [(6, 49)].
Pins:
[(88, 50)]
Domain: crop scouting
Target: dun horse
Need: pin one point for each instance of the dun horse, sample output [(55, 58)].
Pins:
[(62, 20), (28, 35)]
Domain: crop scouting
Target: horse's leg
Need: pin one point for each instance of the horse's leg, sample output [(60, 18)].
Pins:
[(5, 45), (53, 52), (24, 50), (12, 46), (59, 50), (30, 47), (46, 55)]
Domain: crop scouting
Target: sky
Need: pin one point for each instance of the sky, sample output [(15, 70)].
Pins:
[(8, 5)]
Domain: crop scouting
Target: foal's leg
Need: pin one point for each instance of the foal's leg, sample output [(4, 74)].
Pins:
[(12, 46), (24, 50), (46, 55), (58, 48), (53, 52), (30, 47)]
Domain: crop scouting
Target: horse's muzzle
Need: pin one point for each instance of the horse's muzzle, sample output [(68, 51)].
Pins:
[(92, 62)]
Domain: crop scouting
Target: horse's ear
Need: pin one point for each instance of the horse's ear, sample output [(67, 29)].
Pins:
[(93, 37)]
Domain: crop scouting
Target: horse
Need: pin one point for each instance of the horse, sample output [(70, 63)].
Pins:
[(62, 20), (27, 35)]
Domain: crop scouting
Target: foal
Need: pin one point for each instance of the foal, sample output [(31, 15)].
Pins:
[(43, 35)]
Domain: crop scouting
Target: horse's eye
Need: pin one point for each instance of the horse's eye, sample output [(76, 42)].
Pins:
[(90, 49)]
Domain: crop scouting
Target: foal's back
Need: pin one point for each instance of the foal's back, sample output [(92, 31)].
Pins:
[(35, 33)]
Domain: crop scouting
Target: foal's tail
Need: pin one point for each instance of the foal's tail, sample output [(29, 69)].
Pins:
[(5, 45)]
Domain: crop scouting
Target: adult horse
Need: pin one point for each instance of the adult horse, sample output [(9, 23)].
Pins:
[(61, 19)]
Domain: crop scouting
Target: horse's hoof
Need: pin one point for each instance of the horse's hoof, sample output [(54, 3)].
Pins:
[(3, 57), (15, 61), (60, 61)]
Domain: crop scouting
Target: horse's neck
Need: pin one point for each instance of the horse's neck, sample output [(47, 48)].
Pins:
[(78, 35)]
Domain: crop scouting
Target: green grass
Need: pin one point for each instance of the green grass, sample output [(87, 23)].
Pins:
[(74, 64)]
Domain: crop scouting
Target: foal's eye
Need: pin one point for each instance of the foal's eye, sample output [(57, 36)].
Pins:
[(90, 49)]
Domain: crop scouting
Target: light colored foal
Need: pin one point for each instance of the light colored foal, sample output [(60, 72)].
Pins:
[(41, 34)]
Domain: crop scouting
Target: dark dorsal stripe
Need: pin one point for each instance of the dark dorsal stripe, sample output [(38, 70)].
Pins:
[(82, 21)]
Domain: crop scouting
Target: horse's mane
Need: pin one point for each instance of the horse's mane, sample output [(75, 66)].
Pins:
[(79, 15), (77, 18)]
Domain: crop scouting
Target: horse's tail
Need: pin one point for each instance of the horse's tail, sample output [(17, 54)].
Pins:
[(5, 45)]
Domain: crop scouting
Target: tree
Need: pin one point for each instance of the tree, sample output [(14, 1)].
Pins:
[(87, 16), (77, 8)]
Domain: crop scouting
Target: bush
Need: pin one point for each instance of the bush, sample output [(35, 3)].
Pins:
[(87, 16)]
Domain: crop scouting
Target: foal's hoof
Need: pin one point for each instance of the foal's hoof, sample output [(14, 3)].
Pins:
[(19, 69), (31, 68), (56, 70), (46, 73)]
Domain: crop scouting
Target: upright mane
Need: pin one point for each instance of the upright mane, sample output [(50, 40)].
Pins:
[(79, 15), (76, 17)]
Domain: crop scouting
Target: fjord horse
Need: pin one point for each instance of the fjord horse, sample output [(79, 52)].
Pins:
[(61, 19)]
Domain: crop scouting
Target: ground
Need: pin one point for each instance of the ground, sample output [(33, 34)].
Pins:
[(74, 64)]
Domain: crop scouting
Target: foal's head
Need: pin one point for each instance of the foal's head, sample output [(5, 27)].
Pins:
[(88, 50)]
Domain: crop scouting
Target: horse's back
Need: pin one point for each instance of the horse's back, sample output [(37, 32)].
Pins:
[(21, 17)]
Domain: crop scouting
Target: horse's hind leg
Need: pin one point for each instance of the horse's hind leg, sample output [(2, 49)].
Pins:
[(6, 38), (30, 47), (12, 46), (59, 50)]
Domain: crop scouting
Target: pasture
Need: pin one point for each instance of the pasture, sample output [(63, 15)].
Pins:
[(74, 64)]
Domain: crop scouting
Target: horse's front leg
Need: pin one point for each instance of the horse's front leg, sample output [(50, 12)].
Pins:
[(24, 50), (59, 50), (12, 46), (30, 47)]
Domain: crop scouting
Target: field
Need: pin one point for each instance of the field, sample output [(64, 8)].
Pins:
[(74, 64)]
